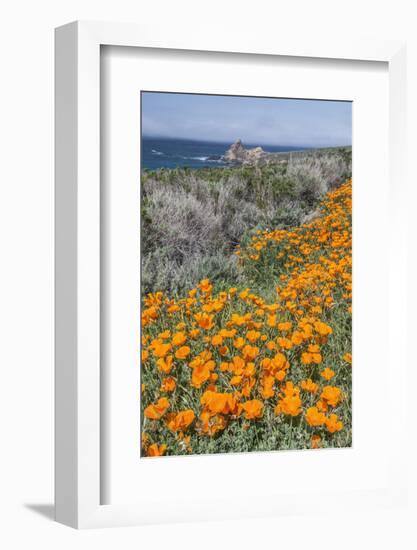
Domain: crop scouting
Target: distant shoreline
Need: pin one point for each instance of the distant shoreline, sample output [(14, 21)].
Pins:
[(264, 145), (169, 153)]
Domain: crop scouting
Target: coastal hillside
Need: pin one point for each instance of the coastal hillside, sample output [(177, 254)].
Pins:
[(246, 255), (238, 154), (194, 220), (259, 366)]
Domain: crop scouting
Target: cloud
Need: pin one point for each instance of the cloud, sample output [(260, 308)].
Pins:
[(254, 120)]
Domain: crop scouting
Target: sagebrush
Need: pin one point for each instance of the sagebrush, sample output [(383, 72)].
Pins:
[(192, 220), (246, 343)]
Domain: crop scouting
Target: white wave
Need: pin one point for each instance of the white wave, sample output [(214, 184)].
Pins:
[(155, 152), (202, 159), (194, 158)]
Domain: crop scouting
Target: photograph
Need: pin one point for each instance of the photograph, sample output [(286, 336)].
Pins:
[(184, 301), (245, 275)]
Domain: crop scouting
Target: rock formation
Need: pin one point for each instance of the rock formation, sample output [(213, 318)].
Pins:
[(238, 154)]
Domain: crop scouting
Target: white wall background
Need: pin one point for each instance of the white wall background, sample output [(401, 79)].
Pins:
[(26, 269)]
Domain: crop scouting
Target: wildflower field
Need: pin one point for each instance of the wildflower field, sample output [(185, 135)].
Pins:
[(261, 365)]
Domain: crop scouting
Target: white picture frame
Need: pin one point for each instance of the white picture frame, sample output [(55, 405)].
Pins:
[(77, 241)]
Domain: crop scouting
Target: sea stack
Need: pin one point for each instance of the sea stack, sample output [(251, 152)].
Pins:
[(238, 154)]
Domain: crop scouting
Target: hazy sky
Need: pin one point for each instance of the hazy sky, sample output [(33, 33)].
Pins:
[(254, 120)]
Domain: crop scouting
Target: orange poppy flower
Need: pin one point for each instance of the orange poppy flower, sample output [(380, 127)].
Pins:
[(289, 402), (250, 352), (210, 425), (322, 328), (280, 375), (205, 286), (331, 395), (278, 363), (348, 357), (253, 336), (322, 405), (271, 345), (267, 389), (155, 450), (236, 380), (179, 338), (284, 343), (285, 326), (182, 352), (168, 384), (165, 364), (239, 342), (223, 350), (181, 420), (315, 441), (204, 320), (156, 411), (201, 374), (160, 350), (314, 417), (289, 405), (216, 403), (297, 338), (327, 373), (253, 409), (333, 424), (271, 321), (217, 340), (309, 386)]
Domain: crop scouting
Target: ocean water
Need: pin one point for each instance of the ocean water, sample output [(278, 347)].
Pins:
[(173, 153)]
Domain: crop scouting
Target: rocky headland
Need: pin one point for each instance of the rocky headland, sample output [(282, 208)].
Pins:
[(238, 154)]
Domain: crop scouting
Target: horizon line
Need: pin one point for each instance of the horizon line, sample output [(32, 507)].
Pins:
[(244, 142)]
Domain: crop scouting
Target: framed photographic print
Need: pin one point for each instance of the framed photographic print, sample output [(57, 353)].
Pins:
[(222, 208), (246, 257)]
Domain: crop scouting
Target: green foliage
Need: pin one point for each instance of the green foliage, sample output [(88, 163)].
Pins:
[(193, 219)]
